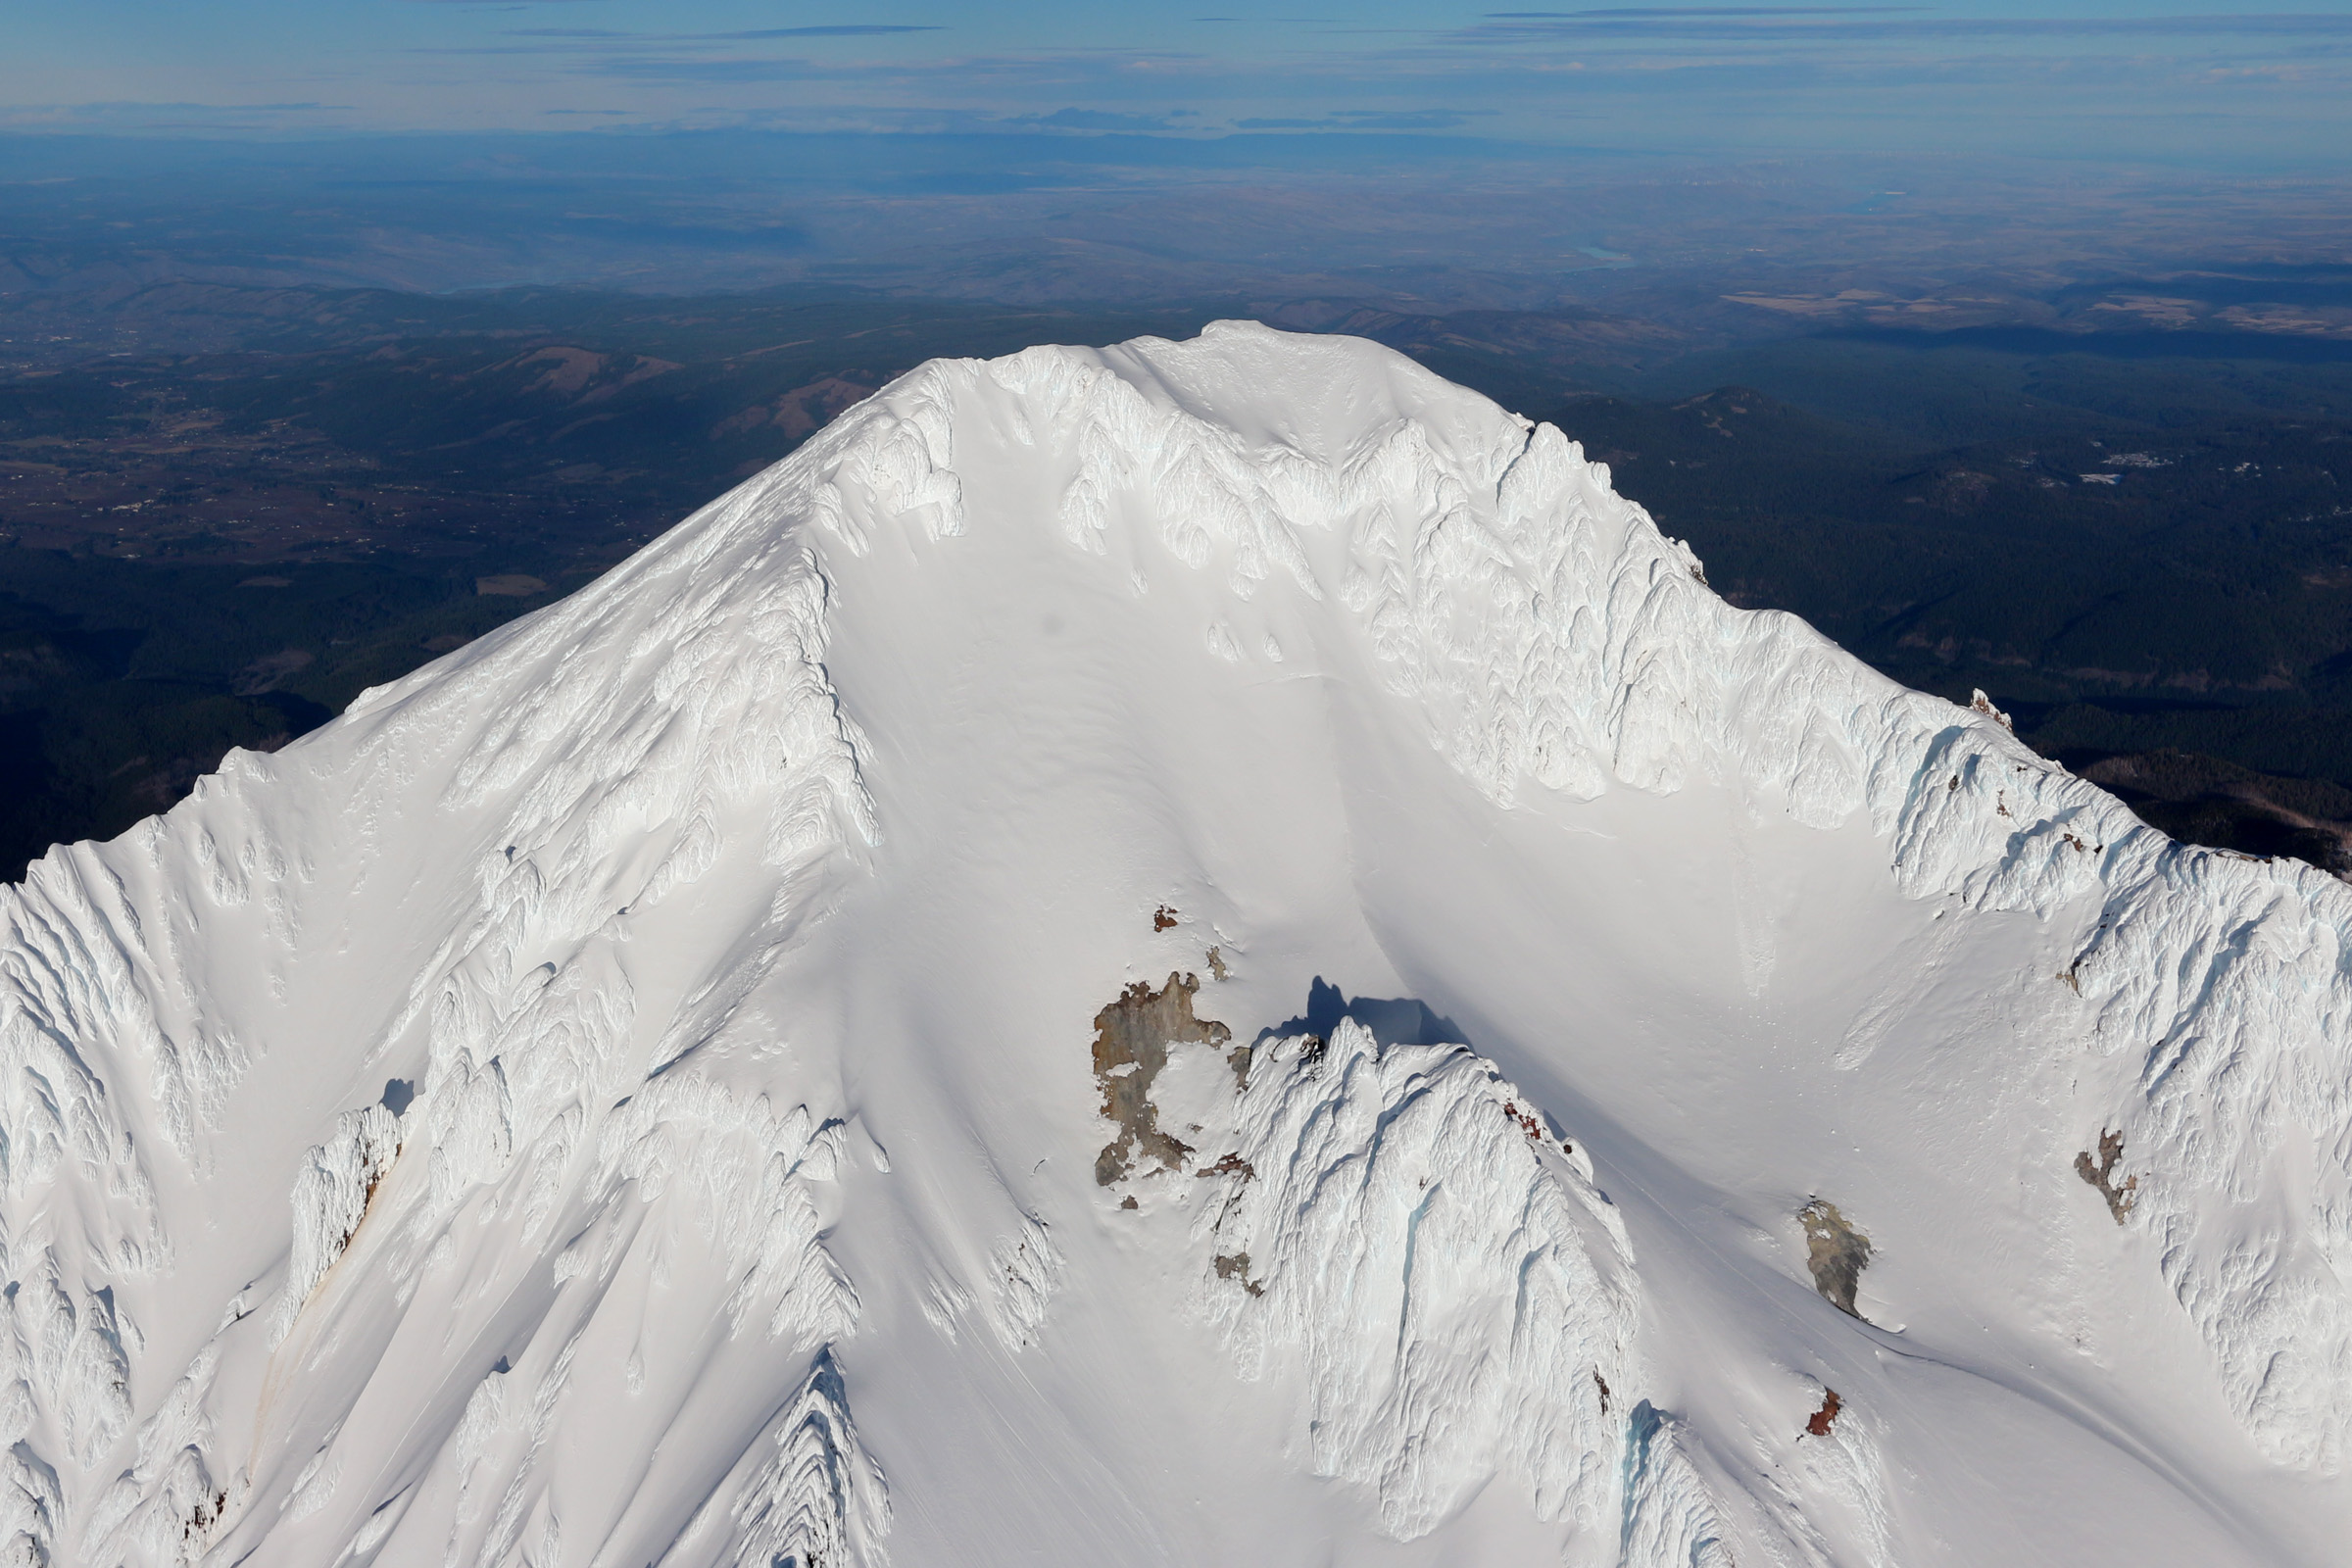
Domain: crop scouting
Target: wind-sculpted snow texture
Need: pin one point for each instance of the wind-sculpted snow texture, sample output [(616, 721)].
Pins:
[(1456, 1290), (623, 1094)]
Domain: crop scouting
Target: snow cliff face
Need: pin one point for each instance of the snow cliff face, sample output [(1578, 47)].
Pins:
[(623, 1095)]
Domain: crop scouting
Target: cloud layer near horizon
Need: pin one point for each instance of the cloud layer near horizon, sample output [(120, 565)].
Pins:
[(2069, 76)]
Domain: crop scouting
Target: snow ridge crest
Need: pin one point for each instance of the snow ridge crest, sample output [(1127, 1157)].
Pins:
[(1459, 1295)]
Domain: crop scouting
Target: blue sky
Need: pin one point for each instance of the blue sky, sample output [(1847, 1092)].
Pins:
[(2102, 78)]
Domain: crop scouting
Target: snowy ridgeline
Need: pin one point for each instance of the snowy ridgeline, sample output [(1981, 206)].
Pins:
[(440, 1142)]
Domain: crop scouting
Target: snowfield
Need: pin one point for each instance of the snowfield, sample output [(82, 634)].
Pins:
[(1191, 953)]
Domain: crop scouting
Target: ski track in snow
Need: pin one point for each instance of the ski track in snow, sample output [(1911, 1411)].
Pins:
[(604, 1220)]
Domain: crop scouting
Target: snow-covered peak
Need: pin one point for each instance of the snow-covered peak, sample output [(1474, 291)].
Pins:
[(1212, 920)]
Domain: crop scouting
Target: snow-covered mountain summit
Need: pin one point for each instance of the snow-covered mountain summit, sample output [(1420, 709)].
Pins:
[(1198, 952)]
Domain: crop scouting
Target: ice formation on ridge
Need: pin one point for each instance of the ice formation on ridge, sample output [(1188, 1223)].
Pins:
[(600, 1292), (1421, 1256)]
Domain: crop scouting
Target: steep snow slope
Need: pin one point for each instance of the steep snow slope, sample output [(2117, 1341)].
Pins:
[(709, 1074)]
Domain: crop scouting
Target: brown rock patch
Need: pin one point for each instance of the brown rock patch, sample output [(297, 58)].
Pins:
[(1132, 1037), (1835, 1253), (2101, 1175)]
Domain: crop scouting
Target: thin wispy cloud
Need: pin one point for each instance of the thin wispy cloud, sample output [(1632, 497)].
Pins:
[(1718, 11), (1844, 25), (666, 64), (860, 29), (705, 71), (1367, 120), (1103, 120), (609, 34)]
